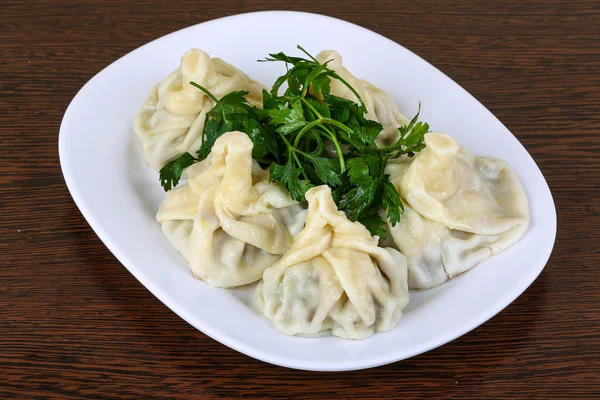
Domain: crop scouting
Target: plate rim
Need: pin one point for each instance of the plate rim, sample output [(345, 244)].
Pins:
[(223, 337)]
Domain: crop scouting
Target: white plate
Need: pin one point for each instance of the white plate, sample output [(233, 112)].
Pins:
[(119, 196)]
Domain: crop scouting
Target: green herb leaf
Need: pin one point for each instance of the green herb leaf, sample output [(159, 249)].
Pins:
[(265, 146), (283, 57), (319, 70), (391, 202), (359, 198), (287, 119), (367, 164), (290, 178), (353, 115), (375, 225), (321, 85), (411, 141), (170, 174), (341, 109), (326, 171), (229, 114), (321, 108), (213, 129), (269, 101)]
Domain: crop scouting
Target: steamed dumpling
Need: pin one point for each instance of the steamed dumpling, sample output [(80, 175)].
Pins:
[(380, 106), (171, 120), (435, 252), (334, 278), (447, 184), (228, 221)]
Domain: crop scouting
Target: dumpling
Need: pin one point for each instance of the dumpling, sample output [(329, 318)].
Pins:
[(447, 184), (334, 278), (171, 120), (228, 221), (380, 106), (435, 252)]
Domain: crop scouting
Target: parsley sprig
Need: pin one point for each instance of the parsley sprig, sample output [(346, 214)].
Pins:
[(293, 129)]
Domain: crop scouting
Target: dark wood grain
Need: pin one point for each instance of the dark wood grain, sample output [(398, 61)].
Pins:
[(75, 324)]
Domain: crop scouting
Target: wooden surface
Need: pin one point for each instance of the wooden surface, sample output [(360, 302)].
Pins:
[(74, 323)]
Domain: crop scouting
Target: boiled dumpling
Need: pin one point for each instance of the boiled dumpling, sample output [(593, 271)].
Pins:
[(379, 104), (435, 252), (447, 184), (228, 221), (334, 278), (171, 120)]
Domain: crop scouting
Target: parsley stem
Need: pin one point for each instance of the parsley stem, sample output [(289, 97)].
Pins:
[(292, 151), (329, 134), (338, 148), (325, 120), (339, 78), (313, 109), (396, 146), (209, 94), (307, 53), (304, 130), (338, 124), (299, 164)]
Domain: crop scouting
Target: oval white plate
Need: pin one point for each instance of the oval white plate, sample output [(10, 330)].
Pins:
[(119, 196)]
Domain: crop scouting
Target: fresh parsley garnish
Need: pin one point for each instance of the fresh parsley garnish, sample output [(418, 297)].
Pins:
[(170, 174), (292, 131)]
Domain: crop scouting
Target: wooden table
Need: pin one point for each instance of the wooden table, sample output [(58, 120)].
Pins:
[(74, 323)]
